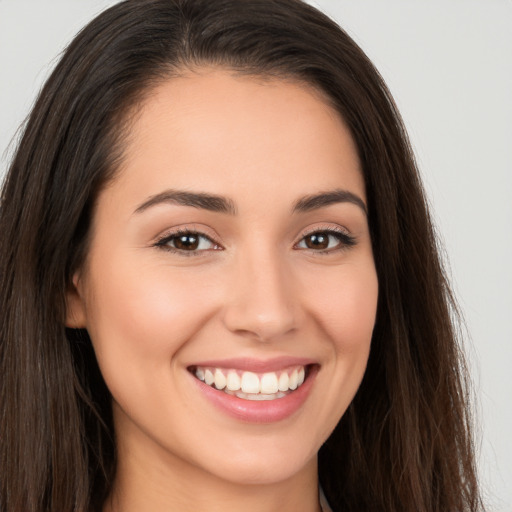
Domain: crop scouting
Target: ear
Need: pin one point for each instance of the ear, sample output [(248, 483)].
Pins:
[(75, 305)]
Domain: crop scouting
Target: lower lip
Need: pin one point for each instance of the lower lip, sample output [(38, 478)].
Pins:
[(264, 411)]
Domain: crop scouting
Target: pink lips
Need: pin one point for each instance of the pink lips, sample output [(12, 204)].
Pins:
[(259, 411)]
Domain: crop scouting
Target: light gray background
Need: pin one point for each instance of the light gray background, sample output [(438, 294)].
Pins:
[(449, 65)]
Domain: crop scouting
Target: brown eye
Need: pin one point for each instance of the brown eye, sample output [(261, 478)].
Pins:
[(188, 242), (317, 241), (326, 241)]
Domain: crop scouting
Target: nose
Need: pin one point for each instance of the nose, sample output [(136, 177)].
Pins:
[(262, 302)]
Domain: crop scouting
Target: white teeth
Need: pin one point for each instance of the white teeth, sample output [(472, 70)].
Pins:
[(250, 383), (283, 382), (251, 386), (208, 377), (294, 378), (301, 376), (261, 396), (233, 381), (269, 383), (220, 379)]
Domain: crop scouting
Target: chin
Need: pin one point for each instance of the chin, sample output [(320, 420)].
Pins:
[(264, 465)]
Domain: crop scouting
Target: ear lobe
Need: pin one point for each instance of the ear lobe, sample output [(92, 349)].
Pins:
[(75, 305)]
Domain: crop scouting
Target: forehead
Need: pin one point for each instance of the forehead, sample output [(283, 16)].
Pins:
[(227, 133)]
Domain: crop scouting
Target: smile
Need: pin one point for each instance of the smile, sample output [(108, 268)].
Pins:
[(256, 391), (250, 385)]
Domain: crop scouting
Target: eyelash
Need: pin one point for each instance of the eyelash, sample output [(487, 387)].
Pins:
[(345, 241), (163, 242)]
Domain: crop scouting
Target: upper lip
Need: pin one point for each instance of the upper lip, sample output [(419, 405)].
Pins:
[(256, 365)]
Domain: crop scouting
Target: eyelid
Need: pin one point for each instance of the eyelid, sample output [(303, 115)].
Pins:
[(324, 228)]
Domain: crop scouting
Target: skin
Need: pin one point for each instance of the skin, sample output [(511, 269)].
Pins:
[(255, 290)]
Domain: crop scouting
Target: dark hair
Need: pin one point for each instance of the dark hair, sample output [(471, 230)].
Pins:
[(404, 443)]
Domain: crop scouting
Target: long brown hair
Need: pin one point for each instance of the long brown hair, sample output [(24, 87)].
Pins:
[(403, 445)]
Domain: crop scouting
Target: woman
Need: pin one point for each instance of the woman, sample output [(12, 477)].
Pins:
[(220, 284)]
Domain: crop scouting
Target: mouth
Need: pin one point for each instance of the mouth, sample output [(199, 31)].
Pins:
[(248, 385)]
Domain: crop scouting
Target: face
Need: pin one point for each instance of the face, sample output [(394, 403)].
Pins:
[(230, 290)]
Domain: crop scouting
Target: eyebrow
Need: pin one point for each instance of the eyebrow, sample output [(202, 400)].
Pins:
[(211, 202), (220, 204), (323, 199)]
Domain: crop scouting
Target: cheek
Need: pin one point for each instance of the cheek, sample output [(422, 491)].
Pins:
[(144, 317), (345, 304)]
